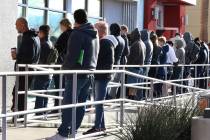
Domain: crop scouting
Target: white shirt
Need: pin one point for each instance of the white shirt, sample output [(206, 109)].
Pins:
[(171, 56)]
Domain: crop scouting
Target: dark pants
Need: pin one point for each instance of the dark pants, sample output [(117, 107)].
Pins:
[(175, 76), (83, 86), (41, 83), (21, 97), (56, 79)]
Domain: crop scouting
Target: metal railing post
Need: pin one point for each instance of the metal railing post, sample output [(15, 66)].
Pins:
[(26, 96), (4, 107), (175, 103), (16, 96), (195, 81), (182, 75), (74, 99), (122, 94), (60, 92), (207, 80), (151, 90)]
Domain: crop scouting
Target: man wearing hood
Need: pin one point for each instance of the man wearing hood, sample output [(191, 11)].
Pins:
[(27, 53), (82, 54), (136, 57), (145, 37), (191, 54)]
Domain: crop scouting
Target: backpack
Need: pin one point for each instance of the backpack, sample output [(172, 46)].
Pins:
[(194, 52), (53, 56)]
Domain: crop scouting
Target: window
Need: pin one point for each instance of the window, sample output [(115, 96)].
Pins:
[(94, 8), (36, 3), (35, 18), (93, 20), (20, 11), (56, 4), (78, 4), (54, 19)]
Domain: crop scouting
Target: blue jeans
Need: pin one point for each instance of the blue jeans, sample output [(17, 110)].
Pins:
[(100, 94), (82, 94), (41, 83)]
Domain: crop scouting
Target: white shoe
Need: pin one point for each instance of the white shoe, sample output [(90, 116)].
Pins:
[(57, 137)]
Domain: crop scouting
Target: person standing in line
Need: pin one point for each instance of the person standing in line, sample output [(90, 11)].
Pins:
[(105, 62), (42, 82), (28, 53), (118, 52), (126, 51), (61, 46), (82, 54)]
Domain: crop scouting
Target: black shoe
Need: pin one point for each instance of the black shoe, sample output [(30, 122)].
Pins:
[(94, 130)]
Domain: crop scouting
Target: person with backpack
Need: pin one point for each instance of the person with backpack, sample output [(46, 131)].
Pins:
[(61, 46), (42, 82), (28, 52), (82, 54)]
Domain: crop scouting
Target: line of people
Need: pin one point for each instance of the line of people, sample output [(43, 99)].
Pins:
[(84, 46)]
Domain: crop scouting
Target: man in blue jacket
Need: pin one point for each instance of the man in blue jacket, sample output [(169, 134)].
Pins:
[(82, 54)]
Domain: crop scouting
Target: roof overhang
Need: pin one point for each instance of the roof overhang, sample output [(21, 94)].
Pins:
[(181, 2)]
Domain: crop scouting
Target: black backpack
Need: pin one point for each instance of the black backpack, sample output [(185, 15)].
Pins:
[(53, 56)]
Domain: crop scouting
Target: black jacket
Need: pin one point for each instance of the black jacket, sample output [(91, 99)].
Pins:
[(29, 49), (118, 52), (83, 39), (105, 59), (145, 37), (61, 45), (137, 50)]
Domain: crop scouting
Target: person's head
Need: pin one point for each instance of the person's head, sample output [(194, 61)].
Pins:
[(177, 35), (80, 17), (209, 45), (65, 24), (154, 39), (115, 29), (124, 29), (44, 32), (170, 43), (179, 43), (102, 28), (162, 41), (21, 25)]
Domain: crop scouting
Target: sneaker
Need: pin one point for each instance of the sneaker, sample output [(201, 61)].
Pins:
[(93, 130), (57, 137)]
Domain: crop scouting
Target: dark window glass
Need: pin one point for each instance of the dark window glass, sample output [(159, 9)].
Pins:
[(56, 4), (35, 18)]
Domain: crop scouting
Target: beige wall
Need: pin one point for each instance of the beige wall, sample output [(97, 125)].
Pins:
[(194, 14)]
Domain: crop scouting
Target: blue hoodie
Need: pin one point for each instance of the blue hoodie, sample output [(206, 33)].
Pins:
[(83, 39)]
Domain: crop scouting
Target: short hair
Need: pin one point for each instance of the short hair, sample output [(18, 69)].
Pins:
[(23, 21), (45, 29), (178, 34), (170, 43), (115, 29), (65, 22), (124, 27), (80, 16), (162, 39), (102, 26)]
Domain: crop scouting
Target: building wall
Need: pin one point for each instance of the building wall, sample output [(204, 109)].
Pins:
[(194, 14), (8, 35)]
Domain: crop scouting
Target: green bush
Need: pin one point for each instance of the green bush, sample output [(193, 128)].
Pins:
[(159, 122)]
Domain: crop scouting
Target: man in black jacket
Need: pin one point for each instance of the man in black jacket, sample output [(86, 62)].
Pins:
[(28, 53), (82, 54)]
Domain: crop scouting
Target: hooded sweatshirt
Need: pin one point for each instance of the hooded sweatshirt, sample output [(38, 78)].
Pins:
[(145, 37), (191, 49), (106, 57), (180, 51), (83, 49), (137, 50)]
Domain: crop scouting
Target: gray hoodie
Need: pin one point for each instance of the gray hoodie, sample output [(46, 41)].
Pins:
[(145, 37), (191, 49), (180, 51)]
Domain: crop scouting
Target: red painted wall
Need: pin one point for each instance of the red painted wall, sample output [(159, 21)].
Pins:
[(149, 21)]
